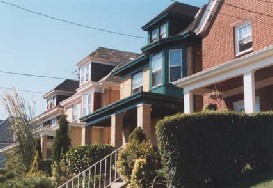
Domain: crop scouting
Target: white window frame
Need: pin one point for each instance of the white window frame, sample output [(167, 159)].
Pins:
[(85, 73), (239, 106), (181, 61), (157, 70), (237, 35), (75, 113), (88, 107), (140, 86)]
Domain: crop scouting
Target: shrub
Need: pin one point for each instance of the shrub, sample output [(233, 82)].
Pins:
[(61, 172), (142, 174), (214, 148), (137, 135), (130, 153), (80, 158), (47, 167), (37, 164), (34, 182), (61, 143)]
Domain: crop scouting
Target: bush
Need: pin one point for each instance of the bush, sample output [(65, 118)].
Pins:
[(47, 167), (142, 174), (35, 182), (130, 153), (137, 135), (214, 148), (61, 172), (80, 158)]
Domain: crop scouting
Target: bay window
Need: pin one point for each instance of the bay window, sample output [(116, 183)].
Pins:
[(137, 82), (175, 64), (156, 62), (74, 112)]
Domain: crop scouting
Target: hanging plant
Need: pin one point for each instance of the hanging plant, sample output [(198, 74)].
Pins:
[(215, 94)]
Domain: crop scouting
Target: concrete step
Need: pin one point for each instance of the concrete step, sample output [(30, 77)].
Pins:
[(118, 185)]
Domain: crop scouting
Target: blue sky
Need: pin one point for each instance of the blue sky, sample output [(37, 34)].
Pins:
[(37, 45)]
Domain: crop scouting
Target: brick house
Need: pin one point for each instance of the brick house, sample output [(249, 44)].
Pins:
[(146, 90), (237, 57)]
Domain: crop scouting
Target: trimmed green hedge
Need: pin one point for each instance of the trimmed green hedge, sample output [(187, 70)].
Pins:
[(80, 158), (214, 148)]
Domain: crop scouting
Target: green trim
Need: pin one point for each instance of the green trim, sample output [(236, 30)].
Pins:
[(124, 68), (129, 103)]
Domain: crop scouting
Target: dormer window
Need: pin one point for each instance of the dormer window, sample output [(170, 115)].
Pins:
[(243, 38), (51, 102), (137, 82), (159, 32), (163, 31), (154, 35), (85, 73)]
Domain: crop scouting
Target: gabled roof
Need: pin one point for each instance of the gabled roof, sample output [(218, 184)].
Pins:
[(67, 86), (115, 56), (174, 9)]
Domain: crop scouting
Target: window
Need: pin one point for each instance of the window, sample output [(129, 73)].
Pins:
[(51, 102), (175, 63), (154, 35), (238, 106), (137, 82), (159, 33), (156, 62), (85, 73), (163, 31), (74, 112), (86, 104), (243, 38)]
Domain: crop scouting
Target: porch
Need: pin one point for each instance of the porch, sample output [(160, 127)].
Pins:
[(244, 84)]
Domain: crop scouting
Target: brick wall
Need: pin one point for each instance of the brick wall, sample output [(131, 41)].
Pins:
[(218, 45)]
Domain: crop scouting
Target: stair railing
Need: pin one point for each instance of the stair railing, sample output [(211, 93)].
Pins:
[(100, 175)]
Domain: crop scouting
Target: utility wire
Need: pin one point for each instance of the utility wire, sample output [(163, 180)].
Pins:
[(69, 22), (33, 75), (22, 90)]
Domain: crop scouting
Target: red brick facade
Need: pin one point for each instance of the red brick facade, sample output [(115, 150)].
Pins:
[(218, 45)]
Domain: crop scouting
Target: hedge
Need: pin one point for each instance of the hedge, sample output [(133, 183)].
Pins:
[(82, 157), (214, 148)]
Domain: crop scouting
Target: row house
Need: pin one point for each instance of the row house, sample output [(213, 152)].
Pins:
[(95, 89), (237, 58), (98, 88), (147, 93), (47, 122)]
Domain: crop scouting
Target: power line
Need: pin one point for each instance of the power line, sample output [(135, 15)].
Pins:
[(33, 75), (22, 90), (70, 22)]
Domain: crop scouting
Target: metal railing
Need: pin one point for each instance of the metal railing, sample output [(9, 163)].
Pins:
[(100, 175)]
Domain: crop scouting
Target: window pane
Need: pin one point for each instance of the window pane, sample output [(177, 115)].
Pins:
[(154, 35), (89, 103), (156, 69), (163, 31), (175, 64), (244, 37), (84, 105), (137, 80)]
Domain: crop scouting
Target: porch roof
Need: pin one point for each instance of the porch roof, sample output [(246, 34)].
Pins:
[(251, 62), (130, 103)]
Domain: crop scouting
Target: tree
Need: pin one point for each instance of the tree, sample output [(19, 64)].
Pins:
[(20, 114), (61, 142)]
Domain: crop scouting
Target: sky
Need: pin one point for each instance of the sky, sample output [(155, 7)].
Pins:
[(37, 45)]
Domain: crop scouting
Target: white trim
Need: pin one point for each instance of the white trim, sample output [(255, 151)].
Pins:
[(236, 39), (251, 62)]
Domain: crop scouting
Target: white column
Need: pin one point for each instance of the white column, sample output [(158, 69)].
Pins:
[(188, 102), (144, 119), (249, 92)]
